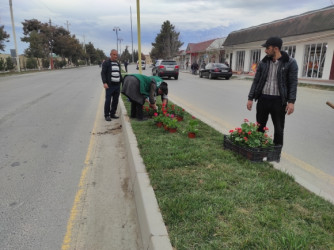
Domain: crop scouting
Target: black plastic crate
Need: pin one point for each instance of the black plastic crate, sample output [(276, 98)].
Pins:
[(272, 153)]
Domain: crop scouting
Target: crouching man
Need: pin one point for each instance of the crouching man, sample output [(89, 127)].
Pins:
[(138, 88)]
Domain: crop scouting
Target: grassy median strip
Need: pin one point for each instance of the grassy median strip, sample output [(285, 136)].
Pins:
[(213, 199)]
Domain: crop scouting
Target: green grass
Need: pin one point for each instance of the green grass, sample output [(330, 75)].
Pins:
[(213, 199)]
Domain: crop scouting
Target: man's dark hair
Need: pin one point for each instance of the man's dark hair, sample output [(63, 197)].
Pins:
[(164, 88)]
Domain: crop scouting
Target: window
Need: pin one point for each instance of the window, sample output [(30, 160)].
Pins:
[(254, 59), (314, 60), (240, 61), (291, 50)]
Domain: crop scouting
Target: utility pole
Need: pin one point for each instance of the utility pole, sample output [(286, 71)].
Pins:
[(133, 60), (139, 41), (14, 35), (67, 25), (51, 53), (117, 29), (85, 48), (120, 47)]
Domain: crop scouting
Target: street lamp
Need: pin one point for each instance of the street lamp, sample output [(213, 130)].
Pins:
[(116, 29)]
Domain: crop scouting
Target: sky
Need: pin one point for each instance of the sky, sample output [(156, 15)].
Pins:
[(196, 20)]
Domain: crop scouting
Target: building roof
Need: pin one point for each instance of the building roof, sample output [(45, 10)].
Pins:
[(216, 44), (199, 47), (309, 22)]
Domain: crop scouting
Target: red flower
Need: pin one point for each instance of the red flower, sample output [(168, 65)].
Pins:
[(249, 132), (246, 120), (155, 114), (245, 138), (265, 128), (231, 131)]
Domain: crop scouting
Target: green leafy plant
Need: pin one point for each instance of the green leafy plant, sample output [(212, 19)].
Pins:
[(248, 135), (179, 112), (158, 117), (192, 126), (172, 123), (148, 111)]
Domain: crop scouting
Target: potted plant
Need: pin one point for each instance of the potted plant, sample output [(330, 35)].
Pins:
[(251, 143), (179, 112), (192, 127), (158, 119), (172, 125), (165, 120)]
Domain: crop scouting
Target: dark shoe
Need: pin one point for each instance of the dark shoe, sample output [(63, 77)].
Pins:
[(108, 119), (114, 116)]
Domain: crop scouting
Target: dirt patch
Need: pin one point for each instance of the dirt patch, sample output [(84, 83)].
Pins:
[(113, 131)]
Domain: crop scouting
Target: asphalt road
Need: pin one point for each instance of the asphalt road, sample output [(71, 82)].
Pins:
[(62, 178), (309, 134)]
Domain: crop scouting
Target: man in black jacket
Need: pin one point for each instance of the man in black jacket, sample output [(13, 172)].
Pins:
[(111, 79), (274, 87)]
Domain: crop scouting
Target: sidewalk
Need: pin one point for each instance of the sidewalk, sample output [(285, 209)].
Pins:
[(300, 80)]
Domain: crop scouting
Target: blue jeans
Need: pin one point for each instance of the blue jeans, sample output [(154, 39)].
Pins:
[(271, 105), (111, 93)]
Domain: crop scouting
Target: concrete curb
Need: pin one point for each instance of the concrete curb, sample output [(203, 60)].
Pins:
[(153, 230)]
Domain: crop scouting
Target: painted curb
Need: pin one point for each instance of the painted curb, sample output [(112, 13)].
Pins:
[(153, 230)]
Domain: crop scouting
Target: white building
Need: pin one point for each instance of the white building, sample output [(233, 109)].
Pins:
[(308, 37)]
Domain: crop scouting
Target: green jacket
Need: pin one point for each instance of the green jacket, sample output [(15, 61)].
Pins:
[(145, 83)]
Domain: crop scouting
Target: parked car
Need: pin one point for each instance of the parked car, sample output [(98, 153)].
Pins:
[(166, 68), (143, 64), (215, 70)]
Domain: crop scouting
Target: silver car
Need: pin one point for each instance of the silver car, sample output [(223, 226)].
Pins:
[(166, 68)]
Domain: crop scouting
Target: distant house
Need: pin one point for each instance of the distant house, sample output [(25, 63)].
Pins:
[(308, 37)]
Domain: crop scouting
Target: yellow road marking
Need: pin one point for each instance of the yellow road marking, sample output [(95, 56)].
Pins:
[(81, 187), (226, 126)]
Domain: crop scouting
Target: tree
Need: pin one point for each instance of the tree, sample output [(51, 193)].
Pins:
[(167, 42), (126, 55), (3, 37), (31, 63), (2, 64), (39, 37), (9, 63), (101, 56), (44, 38)]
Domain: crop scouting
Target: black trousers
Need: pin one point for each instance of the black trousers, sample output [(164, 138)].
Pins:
[(271, 105), (136, 110), (113, 93)]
